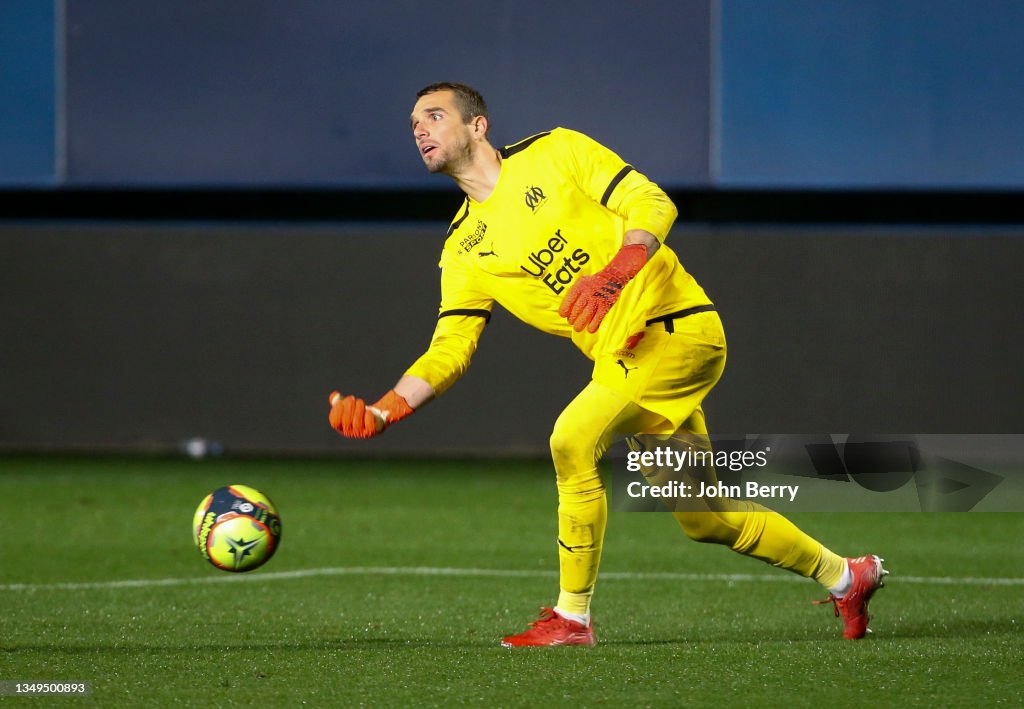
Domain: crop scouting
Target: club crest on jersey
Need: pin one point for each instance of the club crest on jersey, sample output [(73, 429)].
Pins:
[(554, 269), (535, 197), (469, 242)]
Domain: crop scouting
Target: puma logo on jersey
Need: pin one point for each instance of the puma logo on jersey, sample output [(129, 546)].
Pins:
[(626, 370), (492, 252)]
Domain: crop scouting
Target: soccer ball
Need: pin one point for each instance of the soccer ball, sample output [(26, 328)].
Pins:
[(236, 528)]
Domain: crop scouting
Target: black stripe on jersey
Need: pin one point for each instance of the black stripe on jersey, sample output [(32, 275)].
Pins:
[(510, 150), (459, 220), (669, 318), (615, 183), (480, 313)]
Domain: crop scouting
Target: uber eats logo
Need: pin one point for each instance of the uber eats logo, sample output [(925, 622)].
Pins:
[(551, 266)]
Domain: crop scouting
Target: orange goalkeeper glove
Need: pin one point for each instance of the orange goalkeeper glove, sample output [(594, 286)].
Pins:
[(591, 297), (352, 418)]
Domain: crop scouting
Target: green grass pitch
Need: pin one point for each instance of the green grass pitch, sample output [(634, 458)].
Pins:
[(395, 582)]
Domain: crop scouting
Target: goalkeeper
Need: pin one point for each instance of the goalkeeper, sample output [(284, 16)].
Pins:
[(570, 239)]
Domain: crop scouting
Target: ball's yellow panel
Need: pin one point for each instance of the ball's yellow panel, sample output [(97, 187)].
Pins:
[(239, 543)]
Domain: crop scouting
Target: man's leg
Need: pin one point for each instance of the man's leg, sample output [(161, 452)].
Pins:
[(756, 531), (582, 434), (746, 527), (682, 367)]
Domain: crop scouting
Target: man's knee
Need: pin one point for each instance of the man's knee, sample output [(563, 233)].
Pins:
[(571, 451), (699, 526), (711, 527)]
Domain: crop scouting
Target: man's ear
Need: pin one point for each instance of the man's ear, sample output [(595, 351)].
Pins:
[(480, 124)]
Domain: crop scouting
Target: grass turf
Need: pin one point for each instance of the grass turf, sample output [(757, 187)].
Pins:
[(351, 637)]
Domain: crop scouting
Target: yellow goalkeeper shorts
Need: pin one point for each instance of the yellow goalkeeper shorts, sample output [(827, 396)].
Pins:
[(670, 369)]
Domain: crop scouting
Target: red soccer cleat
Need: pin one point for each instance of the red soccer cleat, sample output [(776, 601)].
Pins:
[(552, 629), (868, 577)]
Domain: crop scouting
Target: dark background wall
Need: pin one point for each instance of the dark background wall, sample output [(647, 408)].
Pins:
[(135, 336)]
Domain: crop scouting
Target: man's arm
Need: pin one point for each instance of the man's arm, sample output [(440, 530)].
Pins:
[(463, 315), (618, 186), (416, 392), (445, 361), (644, 237), (648, 213), (352, 418)]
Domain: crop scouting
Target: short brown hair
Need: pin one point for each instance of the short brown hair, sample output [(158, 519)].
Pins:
[(471, 104)]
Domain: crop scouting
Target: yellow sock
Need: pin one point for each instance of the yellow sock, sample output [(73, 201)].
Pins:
[(831, 568), (764, 534), (575, 603), (582, 518)]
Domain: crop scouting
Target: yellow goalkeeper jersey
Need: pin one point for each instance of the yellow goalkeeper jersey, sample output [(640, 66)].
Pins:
[(559, 210)]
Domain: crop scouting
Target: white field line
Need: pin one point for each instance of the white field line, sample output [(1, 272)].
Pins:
[(484, 573)]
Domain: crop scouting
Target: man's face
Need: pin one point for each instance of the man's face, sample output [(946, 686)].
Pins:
[(441, 136)]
